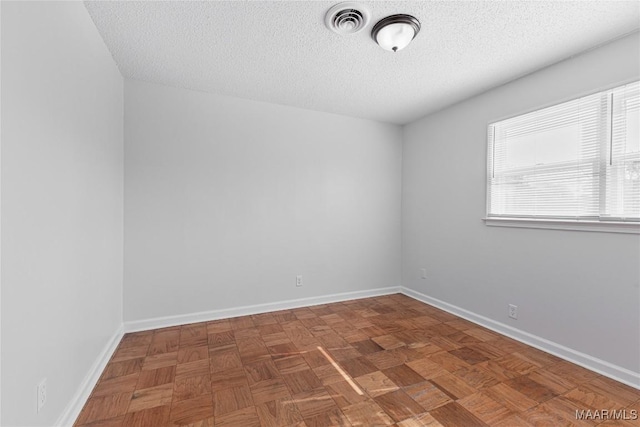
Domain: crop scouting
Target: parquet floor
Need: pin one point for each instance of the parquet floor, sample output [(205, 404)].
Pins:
[(380, 361)]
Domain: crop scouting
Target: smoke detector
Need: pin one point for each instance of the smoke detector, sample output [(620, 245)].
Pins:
[(347, 18)]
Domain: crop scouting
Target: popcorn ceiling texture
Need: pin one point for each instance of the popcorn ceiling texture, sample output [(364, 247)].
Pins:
[(281, 52)]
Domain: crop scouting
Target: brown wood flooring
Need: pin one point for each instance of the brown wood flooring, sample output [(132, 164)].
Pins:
[(379, 361)]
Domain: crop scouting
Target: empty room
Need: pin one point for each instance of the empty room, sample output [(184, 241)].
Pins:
[(319, 213)]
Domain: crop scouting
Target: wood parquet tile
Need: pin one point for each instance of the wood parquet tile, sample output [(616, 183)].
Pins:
[(376, 384), (453, 414), (151, 397), (158, 415), (485, 408), (428, 395), (399, 405), (384, 361)]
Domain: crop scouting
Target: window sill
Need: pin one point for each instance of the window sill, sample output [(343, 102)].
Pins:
[(562, 224)]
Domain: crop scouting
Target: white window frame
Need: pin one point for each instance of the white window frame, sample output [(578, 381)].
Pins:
[(573, 224)]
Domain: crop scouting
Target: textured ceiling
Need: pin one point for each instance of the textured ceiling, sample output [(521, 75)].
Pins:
[(281, 52)]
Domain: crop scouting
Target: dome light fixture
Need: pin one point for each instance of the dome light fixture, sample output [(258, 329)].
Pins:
[(395, 32)]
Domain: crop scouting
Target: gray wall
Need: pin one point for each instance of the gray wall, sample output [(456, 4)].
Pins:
[(227, 200), (578, 289), (62, 213)]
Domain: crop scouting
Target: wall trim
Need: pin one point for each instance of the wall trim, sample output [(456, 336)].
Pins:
[(206, 316), (600, 366), (563, 224), (76, 404), (605, 368)]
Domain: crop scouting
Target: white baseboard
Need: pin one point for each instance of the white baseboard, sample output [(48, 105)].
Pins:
[(206, 316), (603, 367), (73, 409)]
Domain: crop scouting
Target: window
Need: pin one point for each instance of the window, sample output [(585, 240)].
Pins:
[(578, 161)]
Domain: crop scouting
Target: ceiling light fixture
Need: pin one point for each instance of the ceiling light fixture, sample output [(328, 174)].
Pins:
[(395, 32)]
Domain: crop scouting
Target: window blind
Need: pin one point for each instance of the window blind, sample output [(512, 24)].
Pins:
[(576, 160), (623, 167)]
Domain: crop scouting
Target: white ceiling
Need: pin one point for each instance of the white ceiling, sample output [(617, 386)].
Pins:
[(281, 52)]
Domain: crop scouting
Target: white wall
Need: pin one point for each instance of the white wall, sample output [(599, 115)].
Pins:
[(62, 212), (227, 200), (578, 289)]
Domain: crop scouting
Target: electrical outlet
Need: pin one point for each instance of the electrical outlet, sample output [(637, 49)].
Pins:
[(424, 273), (299, 280), (42, 393), (513, 311)]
